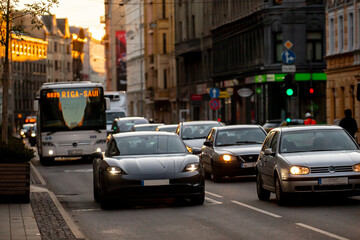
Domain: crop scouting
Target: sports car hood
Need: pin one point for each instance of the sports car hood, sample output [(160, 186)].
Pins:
[(240, 149), (320, 159), (194, 142), (160, 164)]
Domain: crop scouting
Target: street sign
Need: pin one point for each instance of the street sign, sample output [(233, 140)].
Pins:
[(288, 68), (214, 104), (288, 56), (288, 44), (214, 93), (224, 94)]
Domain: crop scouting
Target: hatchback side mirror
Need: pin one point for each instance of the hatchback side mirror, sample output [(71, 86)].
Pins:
[(208, 143), (196, 150), (96, 155), (268, 151)]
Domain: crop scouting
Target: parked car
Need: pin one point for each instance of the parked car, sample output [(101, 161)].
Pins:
[(32, 135), (126, 124), (146, 127), (194, 133), (24, 130), (139, 165), (167, 128), (292, 122), (308, 159), (271, 124), (232, 150)]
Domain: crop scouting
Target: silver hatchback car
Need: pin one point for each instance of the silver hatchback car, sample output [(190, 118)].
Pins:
[(308, 159)]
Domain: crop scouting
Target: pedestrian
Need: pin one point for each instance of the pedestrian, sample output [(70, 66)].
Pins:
[(349, 123), (309, 120)]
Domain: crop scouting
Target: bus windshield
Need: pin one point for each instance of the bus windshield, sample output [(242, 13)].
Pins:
[(69, 109)]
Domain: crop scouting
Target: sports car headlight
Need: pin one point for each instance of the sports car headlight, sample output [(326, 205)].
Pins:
[(356, 167), (299, 170), (115, 170), (227, 158), (192, 167)]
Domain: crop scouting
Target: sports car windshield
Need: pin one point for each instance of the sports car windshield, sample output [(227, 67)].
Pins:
[(240, 136), (139, 145), (316, 140)]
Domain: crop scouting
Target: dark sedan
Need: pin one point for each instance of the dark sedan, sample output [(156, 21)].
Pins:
[(147, 165), (232, 150)]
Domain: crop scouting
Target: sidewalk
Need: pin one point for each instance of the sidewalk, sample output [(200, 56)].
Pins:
[(42, 219)]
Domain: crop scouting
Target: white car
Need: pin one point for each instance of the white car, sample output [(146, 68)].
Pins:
[(308, 159)]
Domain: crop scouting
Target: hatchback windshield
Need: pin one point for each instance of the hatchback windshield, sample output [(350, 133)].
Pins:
[(240, 136), (317, 140), (139, 145)]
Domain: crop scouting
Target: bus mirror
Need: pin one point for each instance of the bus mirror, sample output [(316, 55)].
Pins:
[(107, 103), (36, 105)]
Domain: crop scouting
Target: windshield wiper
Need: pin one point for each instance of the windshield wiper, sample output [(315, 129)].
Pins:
[(249, 142)]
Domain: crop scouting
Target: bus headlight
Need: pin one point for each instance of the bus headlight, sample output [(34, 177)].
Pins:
[(51, 152), (98, 149)]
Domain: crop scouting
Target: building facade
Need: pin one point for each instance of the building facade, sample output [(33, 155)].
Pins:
[(160, 63), (134, 39), (343, 58), (255, 45)]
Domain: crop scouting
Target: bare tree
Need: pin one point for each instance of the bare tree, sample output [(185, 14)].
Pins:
[(9, 11)]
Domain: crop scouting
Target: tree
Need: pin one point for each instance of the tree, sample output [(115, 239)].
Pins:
[(9, 11)]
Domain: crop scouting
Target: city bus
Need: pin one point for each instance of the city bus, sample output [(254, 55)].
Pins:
[(71, 120)]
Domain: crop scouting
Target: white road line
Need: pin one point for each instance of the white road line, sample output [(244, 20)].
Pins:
[(213, 194), (78, 171), (257, 209), (321, 231), (87, 210), (213, 202)]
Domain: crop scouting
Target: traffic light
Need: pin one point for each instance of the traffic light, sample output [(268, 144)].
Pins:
[(289, 85), (311, 90)]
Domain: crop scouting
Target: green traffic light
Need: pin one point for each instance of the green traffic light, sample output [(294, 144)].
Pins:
[(288, 120), (289, 92)]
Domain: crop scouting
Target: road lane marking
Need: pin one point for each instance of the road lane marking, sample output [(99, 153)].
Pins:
[(78, 171), (321, 231), (257, 209), (213, 194), (87, 210), (213, 202)]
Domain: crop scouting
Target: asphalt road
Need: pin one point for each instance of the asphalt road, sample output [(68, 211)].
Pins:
[(231, 211)]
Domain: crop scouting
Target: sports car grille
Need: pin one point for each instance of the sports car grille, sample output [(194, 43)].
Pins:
[(331, 168), (249, 158)]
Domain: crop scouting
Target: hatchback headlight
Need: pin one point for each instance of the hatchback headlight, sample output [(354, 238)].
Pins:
[(356, 167), (192, 167), (227, 158), (299, 170), (115, 170)]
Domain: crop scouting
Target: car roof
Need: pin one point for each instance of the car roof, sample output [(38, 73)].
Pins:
[(144, 133), (168, 126), (295, 128), (129, 118), (148, 124), (200, 122), (238, 126)]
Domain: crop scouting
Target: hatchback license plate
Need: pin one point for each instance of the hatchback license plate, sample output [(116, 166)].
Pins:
[(75, 152), (158, 182), (334, 181), (248, 164)]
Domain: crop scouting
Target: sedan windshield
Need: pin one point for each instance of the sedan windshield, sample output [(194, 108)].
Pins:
[(139, 145), (240, 136), (317, 140), (197, 131)]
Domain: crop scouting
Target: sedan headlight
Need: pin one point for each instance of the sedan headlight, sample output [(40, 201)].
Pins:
[(299, 170), (115, 170), (356, 167), (192, 167), (227, 158)]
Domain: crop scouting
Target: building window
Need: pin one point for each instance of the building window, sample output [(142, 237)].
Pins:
[(193, 25), (165, 79), (277, 2), (331, 36), (314, 46), (164, 42), (278, 40), (341, 34), (56, 65), (163, 9), (350, 31), (55, 46)]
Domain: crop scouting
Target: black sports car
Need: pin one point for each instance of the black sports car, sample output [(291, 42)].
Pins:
[(147, 165), (232, 150)]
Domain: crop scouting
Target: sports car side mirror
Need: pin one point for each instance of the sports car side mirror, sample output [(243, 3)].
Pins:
[(196, 150), (95, 155), (208, 143)]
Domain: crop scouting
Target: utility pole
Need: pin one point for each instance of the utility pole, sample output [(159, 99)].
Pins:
[(141, 61)]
